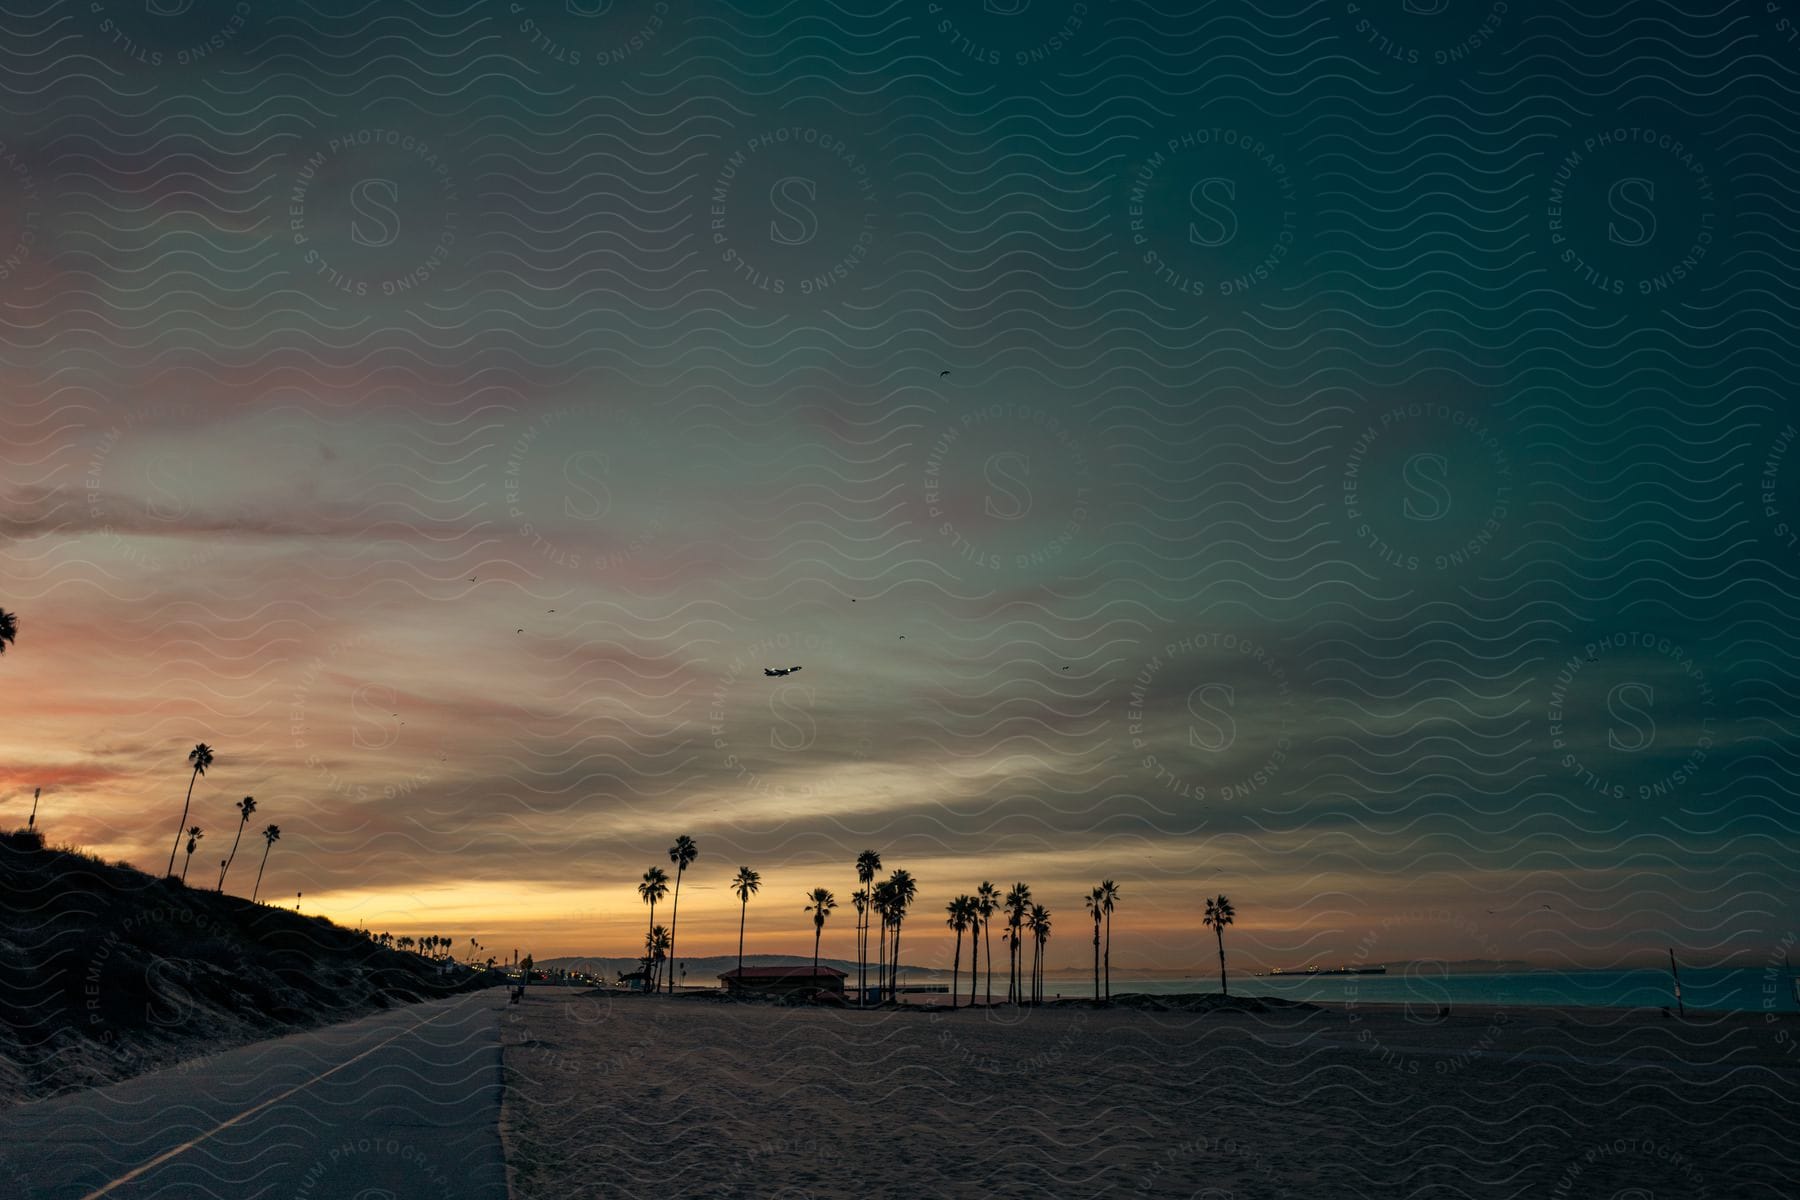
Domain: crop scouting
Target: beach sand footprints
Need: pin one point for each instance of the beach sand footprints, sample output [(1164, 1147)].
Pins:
[(1629, 1168)]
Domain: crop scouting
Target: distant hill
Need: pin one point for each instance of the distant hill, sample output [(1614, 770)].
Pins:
[(106, 972), (702, 970)]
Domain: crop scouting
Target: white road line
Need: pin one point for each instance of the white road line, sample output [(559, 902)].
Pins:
[(164, 1157)]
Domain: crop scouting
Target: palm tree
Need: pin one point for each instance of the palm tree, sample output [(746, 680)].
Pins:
[(1110, 898), (860, 899), (653, 887), (883, 904), (1039, 923), (1096, 906), (271, 835), (822, 904), (745, 885), (194, 836), (987, 899), (1219, 914), (9, 629), (683, 852), (31, 823), (962, 911), (201, 756), (867, 863), (245, 807), (1018, 897), (656, 952), (905, 889)]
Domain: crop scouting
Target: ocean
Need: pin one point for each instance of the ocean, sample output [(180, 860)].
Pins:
[(1733, 989)]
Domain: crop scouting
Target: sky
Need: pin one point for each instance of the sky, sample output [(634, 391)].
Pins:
[(1339, 456)]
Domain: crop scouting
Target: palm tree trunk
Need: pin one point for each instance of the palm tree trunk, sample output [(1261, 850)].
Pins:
[(1222, 985), (974, 959), (183, 826), (894, 966), (650, 951), (818, 928), (955, 970), (881, 961), (185, 864), (743, 911), (233, 855), (674, 916), (987, 927), (1109, 956), (1096, 960), (259, 871)]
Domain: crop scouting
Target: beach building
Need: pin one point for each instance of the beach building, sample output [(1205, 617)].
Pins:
[(783, 980)]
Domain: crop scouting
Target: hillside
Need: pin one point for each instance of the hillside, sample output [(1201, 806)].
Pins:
[(106, 972)]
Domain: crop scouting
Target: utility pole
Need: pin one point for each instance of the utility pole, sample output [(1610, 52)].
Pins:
[(32, 823)]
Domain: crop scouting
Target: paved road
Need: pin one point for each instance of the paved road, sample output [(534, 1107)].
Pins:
[(404, 1105)]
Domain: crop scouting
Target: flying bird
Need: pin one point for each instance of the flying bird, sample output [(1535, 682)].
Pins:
[(941, 374), (779, 670)]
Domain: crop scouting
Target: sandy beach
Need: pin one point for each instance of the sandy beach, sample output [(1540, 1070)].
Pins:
[(623, 1095)]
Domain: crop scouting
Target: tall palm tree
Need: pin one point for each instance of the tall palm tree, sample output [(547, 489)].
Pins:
[(683, 852), (962, 911), (652, 888), (245, 807), (194, 835), (9, 629), (987, 899), (271, 835), (1018, 897), (1039, 923), (867, 863), (1110, 898), (1219, 914), (201, 756), (745, 884), (860, 900), (1096, 906), (905, 889), (822, 904), (883, 904)]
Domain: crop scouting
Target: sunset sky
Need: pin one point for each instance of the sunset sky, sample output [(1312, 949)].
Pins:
[(1363, 485)]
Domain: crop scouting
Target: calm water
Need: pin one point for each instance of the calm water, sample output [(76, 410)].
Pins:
[(1742, 989)]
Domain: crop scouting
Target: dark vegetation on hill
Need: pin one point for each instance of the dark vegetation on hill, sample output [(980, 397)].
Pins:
[(106, 972)]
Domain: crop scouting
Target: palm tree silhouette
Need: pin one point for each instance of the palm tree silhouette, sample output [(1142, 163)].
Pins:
[(271, 835), (867, 863), (194, 835), (882, 901), (987, 899), (961, 911), (745, 885), (904, 890), (822, 904), (1096, 906), (683, 852), (656, 952), (1018, 897), (859, 899), (245, 807), (9, 629), (1110, 897), (653, 887), (1039, 923), (31, 822), (201, 756), (1219, 914)]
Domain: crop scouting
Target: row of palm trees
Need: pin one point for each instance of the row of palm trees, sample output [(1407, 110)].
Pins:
[(889, 901), (200, 758)]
